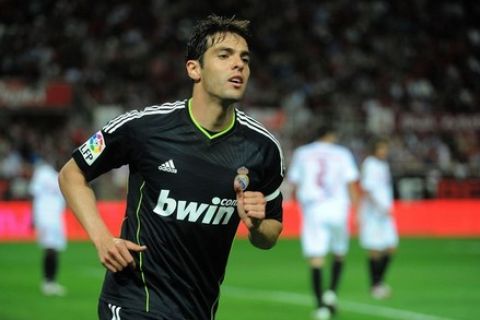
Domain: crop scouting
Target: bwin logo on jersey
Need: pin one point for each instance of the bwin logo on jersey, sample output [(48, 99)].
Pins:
[(219, 211)]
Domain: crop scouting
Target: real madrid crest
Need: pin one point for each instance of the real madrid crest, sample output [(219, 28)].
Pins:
[(242, 178)]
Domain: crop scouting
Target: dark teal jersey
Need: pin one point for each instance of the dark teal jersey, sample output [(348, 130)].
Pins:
[(181, 203)]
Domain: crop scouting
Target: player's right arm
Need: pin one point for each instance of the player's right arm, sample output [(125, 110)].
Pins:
[(113, 252), (354, 194)]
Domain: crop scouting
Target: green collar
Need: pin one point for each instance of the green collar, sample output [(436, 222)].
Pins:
[(203, 130)]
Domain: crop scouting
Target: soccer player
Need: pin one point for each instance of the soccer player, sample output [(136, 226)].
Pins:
[(48, 206), (378, 234), (324, 176), (198, 167)]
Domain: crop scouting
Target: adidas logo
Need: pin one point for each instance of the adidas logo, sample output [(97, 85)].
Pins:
[(168, 166)]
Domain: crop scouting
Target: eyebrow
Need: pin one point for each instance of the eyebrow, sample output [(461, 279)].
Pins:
[(230, 50)]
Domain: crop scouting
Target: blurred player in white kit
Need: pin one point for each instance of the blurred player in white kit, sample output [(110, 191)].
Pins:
[(48, 206), (378, 234), (324, 176)]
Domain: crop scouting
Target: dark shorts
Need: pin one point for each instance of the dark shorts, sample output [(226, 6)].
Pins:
[(108, 311)]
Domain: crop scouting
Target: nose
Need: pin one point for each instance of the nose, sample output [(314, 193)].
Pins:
[(238, 63)]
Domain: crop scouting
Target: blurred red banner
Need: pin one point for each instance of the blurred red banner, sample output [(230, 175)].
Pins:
[(438, 218), (16, 93)]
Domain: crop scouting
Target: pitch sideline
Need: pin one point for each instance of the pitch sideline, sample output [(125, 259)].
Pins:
[(305, 300)]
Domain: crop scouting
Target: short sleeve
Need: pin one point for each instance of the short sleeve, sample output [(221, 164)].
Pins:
[(273, 177), (103, 151)]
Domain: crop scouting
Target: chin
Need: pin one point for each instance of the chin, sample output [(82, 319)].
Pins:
[(234, 97)]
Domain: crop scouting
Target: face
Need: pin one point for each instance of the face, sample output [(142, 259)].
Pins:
[(225, 69), (382, 151)]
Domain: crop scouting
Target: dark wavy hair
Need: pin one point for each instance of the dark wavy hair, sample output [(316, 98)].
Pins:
[(325, 129), (213, 29)]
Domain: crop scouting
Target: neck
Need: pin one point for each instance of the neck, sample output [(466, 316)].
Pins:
[(329, 138), (210, 114)]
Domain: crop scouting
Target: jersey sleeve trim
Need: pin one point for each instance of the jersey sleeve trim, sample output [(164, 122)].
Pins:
[(273, 195), (119, 121)]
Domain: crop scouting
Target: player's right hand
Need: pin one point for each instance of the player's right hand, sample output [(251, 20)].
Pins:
[(114, 254)]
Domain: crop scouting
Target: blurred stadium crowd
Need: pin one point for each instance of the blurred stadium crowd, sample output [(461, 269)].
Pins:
[(406, 69)]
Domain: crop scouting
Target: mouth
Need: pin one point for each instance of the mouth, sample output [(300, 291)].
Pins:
[(237, 81)]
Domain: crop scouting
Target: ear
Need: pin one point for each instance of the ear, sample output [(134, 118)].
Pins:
[(193, 70)]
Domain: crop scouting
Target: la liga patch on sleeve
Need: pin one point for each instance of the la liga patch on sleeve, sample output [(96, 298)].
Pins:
[(93, 148)]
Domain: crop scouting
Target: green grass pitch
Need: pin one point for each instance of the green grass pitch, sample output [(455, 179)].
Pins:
[(432, 279)]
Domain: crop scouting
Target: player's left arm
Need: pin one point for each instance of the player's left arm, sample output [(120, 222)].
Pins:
[(252, 208), (371, 187), (265, 234), (261, 209), (352, 176)]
